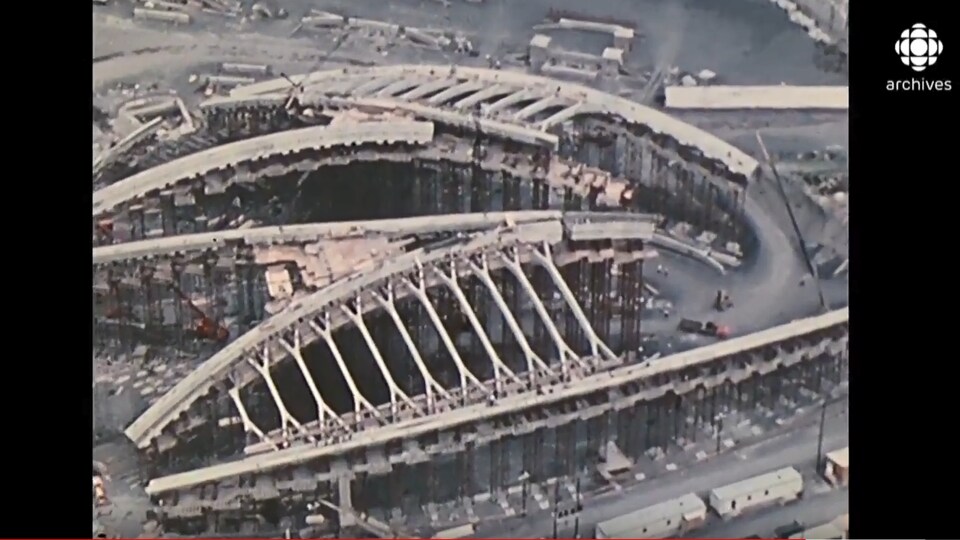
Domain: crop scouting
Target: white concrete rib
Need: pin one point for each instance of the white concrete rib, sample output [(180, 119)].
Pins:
[(200, 163), (736, 161)]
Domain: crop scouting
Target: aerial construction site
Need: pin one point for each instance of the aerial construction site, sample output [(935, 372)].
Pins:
[(503, 268)]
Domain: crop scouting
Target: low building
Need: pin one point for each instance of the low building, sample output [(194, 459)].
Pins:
[(836, 467), (776, 487)]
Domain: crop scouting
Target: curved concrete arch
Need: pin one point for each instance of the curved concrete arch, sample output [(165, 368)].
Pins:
[(615, 378), (200, 163), (313, 232), (584, 100), (461, 119), (542, 229)]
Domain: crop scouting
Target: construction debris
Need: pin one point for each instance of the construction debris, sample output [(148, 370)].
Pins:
[(168, 6), (262, 10), (110, 154), (324, 20), (160, 15), (228, 80), (420, 37), (706, 76), (245, 69)]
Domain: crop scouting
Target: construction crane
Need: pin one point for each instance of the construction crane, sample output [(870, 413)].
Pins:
[(296, 90), (206, 328), (811, 267)]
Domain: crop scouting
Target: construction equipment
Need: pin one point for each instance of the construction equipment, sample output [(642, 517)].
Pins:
[(206, 328), (104, 231), (708, 328), (296, 91), (114, 308), (793, 221), (722, 301), (99, 492)]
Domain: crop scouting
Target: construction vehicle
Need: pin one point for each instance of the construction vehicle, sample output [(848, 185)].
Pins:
[(789, 530), (206, 328), (99, 491), (722, 301), (104, 231), (708, 328)]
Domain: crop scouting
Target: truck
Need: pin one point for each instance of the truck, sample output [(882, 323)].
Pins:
[(789, 530), (708, 328)]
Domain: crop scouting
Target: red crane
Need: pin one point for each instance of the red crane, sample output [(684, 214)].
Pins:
[(206, 328)]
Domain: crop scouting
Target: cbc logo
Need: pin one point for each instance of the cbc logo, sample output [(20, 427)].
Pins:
[(919, 47)]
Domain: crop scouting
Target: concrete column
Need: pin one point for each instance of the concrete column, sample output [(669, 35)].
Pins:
[(611, 60), (168, 213), (135, 215), (538, 52), (154, 223), (623, 39), (345, 500)]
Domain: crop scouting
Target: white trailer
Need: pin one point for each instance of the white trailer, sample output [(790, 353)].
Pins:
[(667, 519), (780, 487)]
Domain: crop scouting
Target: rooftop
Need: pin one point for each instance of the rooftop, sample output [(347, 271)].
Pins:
[(540, 40), (840, 457)]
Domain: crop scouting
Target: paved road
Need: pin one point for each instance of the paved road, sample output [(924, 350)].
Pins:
[(793, 449), (811, 511)]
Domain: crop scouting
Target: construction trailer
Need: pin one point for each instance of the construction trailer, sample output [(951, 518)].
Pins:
[(836, 467), (780, 487), (672, 518)]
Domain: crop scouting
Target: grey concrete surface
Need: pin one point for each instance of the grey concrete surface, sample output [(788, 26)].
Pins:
[(758, 44)]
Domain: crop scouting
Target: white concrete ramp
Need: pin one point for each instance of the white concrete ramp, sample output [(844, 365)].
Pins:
[(758, 97)]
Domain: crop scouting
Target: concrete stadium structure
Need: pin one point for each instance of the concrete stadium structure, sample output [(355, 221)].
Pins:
[(469, 306), (488, 444)]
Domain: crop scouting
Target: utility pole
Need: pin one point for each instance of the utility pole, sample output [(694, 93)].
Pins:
[(524, 477), (719, 430), (577, 509), (823, 420), (556, 509)]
